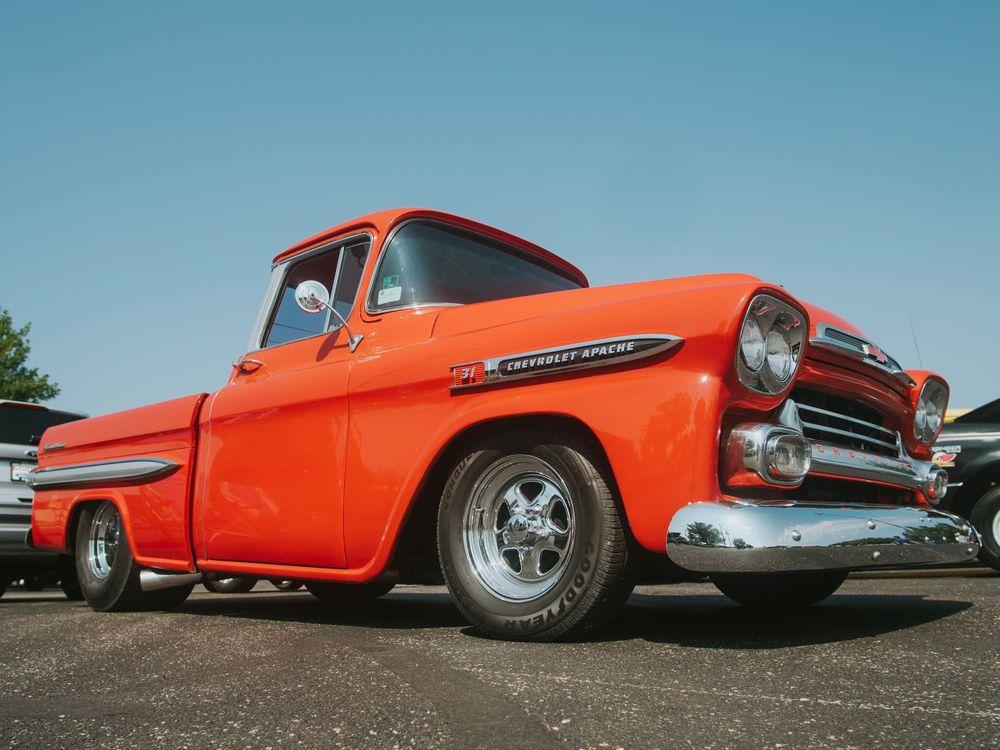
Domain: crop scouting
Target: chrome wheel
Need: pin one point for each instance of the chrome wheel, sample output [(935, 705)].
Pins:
[(102, 545), (519, 528)]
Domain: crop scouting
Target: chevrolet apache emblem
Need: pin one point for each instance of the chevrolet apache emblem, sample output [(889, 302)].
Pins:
[(561, 359)]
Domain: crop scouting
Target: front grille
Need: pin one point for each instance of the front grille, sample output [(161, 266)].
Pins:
[(830, 490), (837, 420)]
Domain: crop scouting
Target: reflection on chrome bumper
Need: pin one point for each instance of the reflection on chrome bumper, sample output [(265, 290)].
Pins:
[(783, 536)]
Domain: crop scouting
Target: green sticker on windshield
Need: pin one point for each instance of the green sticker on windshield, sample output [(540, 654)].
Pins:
[(390, 281)]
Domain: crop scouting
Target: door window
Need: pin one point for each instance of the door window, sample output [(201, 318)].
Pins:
[(339, 269)]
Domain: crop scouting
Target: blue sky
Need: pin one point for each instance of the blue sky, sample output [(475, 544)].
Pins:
[(154, 157)]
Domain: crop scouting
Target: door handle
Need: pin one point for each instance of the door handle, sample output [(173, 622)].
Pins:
[(246, 365)]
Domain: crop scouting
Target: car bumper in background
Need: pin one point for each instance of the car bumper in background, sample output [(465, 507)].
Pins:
[(787, 536)]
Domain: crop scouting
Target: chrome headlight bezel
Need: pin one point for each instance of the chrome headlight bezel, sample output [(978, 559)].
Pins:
[(928, 415), (784, 331)]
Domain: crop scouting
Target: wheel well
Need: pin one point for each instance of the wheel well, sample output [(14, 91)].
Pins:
[(73, 521), (416, 556)]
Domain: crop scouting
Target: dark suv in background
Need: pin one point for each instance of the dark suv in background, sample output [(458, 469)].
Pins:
[(21, 428), (969, 449)]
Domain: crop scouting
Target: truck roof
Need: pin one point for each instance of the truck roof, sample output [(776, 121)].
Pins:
[(382, 222), (10, 403)]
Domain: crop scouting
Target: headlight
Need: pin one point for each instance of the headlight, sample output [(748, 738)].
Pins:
[(752, 345), (931, 406), (770, 347)]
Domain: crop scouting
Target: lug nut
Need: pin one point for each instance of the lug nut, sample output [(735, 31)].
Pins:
[(796, 536), (871, 524), (876, 555)]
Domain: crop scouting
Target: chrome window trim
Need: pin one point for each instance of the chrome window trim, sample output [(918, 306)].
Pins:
[(280, 270), (827, 342), (388, 241), (491, 366), (142, 469)]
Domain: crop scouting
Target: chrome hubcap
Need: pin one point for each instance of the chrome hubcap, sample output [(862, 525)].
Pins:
[(105, 535), (519, 528), (996, 526)]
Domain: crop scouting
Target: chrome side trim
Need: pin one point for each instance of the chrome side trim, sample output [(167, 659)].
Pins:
[(831, 337), (849, 463), (137, 470), (782, 536), (569, 357)]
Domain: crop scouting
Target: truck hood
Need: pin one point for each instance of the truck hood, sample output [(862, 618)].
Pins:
[(688, 289)]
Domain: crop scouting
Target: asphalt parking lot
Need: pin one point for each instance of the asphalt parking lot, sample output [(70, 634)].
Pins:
[(905, 662)]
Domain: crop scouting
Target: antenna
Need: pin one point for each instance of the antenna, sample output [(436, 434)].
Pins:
[(916, 346)]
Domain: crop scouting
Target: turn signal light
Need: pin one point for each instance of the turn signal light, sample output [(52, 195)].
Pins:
[(767, 454), (937, 486)]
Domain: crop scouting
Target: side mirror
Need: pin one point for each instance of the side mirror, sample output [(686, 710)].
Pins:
[(312, 297)]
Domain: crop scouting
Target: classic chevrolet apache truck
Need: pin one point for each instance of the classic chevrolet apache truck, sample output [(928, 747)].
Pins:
[(427, 397)]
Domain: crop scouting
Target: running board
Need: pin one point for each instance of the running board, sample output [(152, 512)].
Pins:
[(150, 580)]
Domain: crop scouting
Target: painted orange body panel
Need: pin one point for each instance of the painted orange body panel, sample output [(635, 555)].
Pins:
[(308, 466), (156, 514)]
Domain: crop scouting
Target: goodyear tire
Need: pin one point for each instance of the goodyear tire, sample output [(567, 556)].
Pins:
[(985, 517), (107, 572), (348, 595), (232, 585), (530, 538), (778, 589)]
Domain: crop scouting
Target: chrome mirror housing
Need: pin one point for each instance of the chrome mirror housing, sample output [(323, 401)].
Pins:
[(312, 297)]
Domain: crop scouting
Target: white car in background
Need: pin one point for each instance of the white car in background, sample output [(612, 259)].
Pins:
[(21, 428)]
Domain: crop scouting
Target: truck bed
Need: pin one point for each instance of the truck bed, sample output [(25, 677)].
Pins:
[(156, 509)]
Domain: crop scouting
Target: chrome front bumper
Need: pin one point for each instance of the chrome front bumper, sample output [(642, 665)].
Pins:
[(785, 536)]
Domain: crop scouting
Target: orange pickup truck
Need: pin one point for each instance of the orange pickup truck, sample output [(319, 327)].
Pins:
[(427, 397)]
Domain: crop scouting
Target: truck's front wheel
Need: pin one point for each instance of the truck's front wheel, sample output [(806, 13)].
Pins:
[(531, 541), (778, 589), (107, 572)]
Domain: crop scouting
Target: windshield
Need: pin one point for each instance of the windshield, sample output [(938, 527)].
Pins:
[(428, 263), (22, 425)]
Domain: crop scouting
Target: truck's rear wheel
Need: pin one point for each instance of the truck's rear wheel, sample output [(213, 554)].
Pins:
[(106, 570), (232, 585), (349, 594), (778, 589), (531, 541)]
